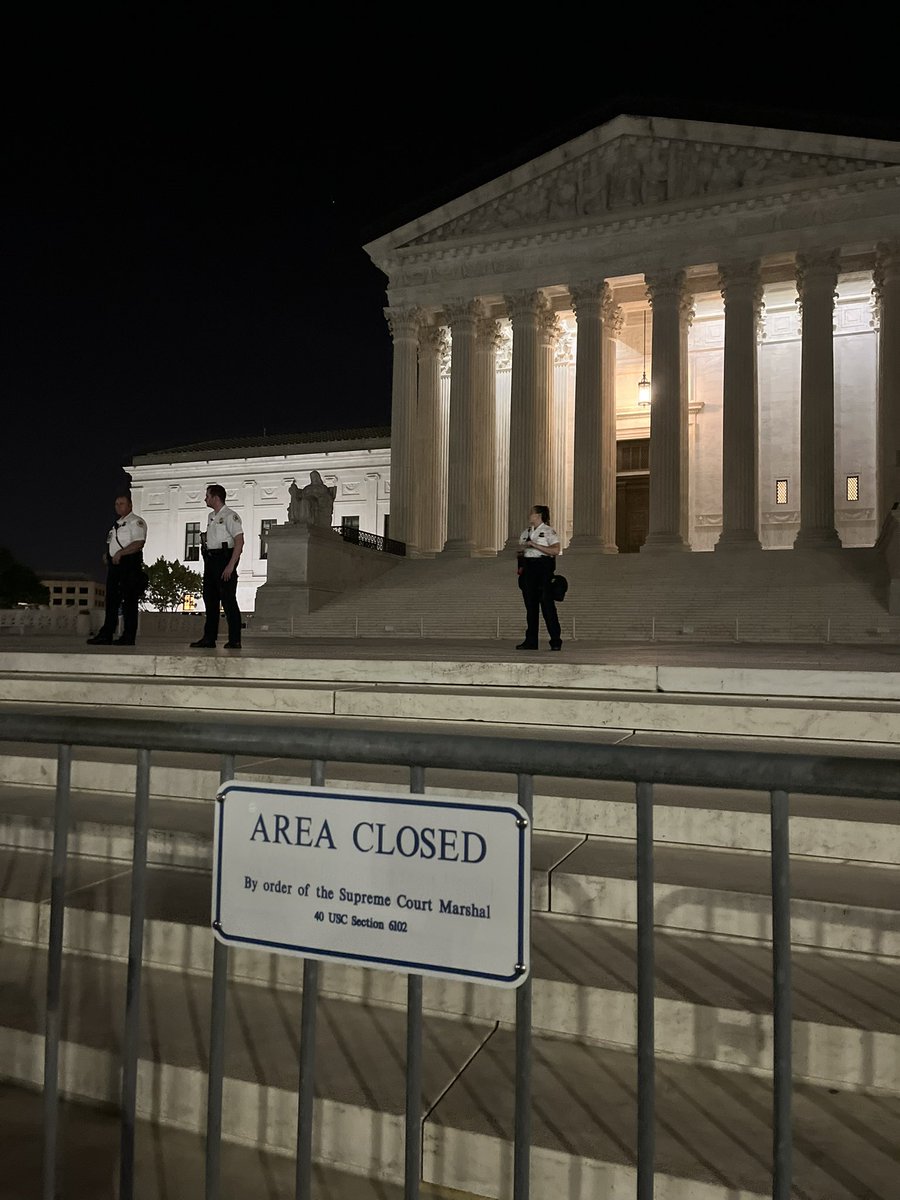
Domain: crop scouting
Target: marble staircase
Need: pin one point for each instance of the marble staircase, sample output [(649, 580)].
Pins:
[(776, 595)]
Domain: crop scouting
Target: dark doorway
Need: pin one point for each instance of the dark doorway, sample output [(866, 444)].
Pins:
[(632, 512), (632, 493)]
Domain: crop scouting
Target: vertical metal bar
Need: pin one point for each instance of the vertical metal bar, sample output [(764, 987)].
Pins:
[(216, 1071), (413, 1144), (306, 1096), (646, 1034), (782, 1140), (131, 1040), (52, 1022), (522, 1147)]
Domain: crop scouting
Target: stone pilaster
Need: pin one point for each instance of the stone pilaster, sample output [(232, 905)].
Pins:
[(251, 532), (525, 310), (461, 501), (816, 283), (431, 443), (404, 327), (668, 413), (484, 449), (887, 297), (742, 292)]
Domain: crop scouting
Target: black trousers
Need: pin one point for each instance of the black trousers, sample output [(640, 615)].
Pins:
[(535, 584), (217, 591), (124, 583)]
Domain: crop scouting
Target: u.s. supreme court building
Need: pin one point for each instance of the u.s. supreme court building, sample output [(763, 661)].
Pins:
[(752, 276)]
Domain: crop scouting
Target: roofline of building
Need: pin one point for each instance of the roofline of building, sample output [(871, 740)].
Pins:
[(327, 442)]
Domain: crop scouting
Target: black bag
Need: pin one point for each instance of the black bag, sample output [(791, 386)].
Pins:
[(559, 585)]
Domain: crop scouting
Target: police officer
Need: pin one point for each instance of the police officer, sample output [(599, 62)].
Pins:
[(125, 579), (539, 545), (222, 546)]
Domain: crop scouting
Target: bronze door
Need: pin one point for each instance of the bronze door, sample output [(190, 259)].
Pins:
[(632, 512)]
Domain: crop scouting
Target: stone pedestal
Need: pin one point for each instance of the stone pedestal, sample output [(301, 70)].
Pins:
[(309, 565)]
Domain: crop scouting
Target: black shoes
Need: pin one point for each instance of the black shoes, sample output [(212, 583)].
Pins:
[(97, 640), (556, 645), (203, 645), (527, 646), (232, 645)]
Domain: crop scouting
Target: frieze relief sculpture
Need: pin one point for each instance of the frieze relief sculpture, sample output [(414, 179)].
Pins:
[(313, 504), (634, 172)]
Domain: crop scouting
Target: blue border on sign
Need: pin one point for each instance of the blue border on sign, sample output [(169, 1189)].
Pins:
[(413, 967)]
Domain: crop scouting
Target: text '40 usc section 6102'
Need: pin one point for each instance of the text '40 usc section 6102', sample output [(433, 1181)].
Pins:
[(431, 886)]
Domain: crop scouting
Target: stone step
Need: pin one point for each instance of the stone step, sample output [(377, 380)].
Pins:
[(169, 1162), (714, 995), (833, 720), (713, 1128)]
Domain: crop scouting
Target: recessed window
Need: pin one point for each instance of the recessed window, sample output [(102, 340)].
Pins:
[(192, 541), (264, 527), (781, 491), (82, 591), (852, 487), (349, 522)]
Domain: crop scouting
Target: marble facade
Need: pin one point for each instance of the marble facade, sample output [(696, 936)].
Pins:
[(767, 265)]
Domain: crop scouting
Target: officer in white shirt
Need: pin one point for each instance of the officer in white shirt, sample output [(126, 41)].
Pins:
[(125, 578), (539, 545), (222, 546)]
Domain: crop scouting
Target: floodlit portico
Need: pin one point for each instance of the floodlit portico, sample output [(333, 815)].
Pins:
[(765, 263)]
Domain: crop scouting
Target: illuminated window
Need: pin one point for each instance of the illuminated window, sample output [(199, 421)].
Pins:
[(781, 491), (349, 522), (852, 487), (192, 541), (264, 527)]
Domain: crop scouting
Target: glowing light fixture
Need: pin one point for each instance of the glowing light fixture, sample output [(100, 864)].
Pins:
[(643, 397)]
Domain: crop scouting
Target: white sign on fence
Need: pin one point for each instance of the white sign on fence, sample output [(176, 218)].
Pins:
[(431, 886)]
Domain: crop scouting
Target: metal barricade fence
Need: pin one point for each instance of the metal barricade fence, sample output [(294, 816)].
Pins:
[(779, 775)]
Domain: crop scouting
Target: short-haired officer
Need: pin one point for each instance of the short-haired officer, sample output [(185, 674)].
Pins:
[(125, 578), (539, 545), (222, 546)]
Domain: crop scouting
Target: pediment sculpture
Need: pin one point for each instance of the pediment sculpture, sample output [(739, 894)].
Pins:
[(632, 172)]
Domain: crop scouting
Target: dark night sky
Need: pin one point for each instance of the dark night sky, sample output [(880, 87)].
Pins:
[(181, 236)]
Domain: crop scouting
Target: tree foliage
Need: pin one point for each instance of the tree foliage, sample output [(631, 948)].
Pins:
[(170, 583), (18, 583)]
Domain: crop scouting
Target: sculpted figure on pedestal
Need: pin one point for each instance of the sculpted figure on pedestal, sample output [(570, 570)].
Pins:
[(312, 505)]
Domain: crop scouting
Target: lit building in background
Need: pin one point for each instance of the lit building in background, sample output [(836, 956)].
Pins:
[(168, 489), (74, 589)]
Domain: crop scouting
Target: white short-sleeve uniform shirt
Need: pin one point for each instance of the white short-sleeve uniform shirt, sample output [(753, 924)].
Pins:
[(222, 527), (128, 529), (542, 535)]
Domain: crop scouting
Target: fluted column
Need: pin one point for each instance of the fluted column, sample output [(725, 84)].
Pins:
[(484, 433), (546, 484), (460, 472), (404, 327), (816, 283), (525, 311), (431, 443), (668, 412), (887, 298), (742, 292)]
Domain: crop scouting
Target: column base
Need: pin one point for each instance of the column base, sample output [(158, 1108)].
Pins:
[(817, 539), (665, 543), (457, 548), (589, 543), (738, 539)]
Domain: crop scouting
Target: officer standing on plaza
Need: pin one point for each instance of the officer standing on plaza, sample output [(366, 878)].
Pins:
[(125, 578), (222, 546), (539, 545)]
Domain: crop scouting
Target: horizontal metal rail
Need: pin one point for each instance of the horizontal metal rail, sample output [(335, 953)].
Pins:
[(878, 778)]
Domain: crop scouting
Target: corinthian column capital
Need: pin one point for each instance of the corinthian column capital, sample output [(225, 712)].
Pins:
[(887, 268), (464, 313), (589, 296), (525, 304), (404, 323), (666, 286), (817, 269), (434, 339), (613, 316), (488, 333)]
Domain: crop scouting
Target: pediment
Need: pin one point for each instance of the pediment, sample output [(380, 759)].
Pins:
[(637, 164)]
